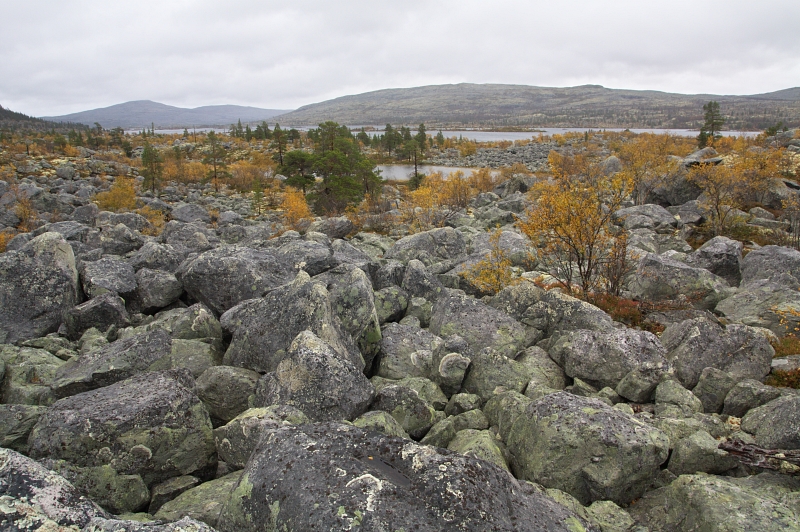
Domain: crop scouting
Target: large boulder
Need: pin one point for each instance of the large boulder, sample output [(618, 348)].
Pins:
[(108, 274), (407, 351), (316, 380), (647, 216), (190, 212), (115, 362), (102, 312), (334, 226), (490, 371), (335, 477), (720, 504), (226, 390), (150, 425), (16, 422), (156, 256), (479, 324), (693, 345), (586, 448), (156, 289), (660, 278), (264, 328), (775, 425), (721, 256), (604, 358), (223, 277), (770, 261), (38, 284), (203, 502), (429, 247), (772, 303), (29, 372), (746, 395)]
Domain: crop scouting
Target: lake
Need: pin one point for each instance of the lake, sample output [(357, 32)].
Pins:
[(496, 136)]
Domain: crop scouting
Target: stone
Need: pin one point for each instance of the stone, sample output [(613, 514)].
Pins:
[(425, 388), (156, 289), (317, 381), (604, 358), (674, 401), (16, 422), (333, 226), (379, 421), (647, 215), (102, 312), (308, 255), (186, 524), (480, 325), (263, 329), (775, 425), (747, 395), (693, 345), (112, 363), (586, 448), (557, 311), (712, 388), (195, 355), (721, 256), (770, 261), (202, 503), (504, 408), (544, 370), (35, 498), (390, 304), (419, 282), (224, 277), (700, 453), (38, 283), (429, 247), (415, 415), (491, 371), (190, 212), (108, 274), (772, 303), (155, 256), (29, 373), (443, 432), (659, 278), (406, 351), (120, 239), (716, 504), (236, 440), (168, 490), (225, 390), (380, 483), (478, 444), (462, 402), (151, 425), (639, 384)]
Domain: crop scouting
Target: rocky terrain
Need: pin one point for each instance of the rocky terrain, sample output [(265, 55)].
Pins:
[(228, 374)]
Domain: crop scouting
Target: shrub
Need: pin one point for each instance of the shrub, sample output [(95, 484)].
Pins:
[(155, 217), (295, 208), (27, 215), (120, 197), (492, 273), (5, 238), (784, 379)]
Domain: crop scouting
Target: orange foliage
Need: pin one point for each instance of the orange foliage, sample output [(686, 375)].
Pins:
[(492, 273), (120, 197), (295, 208)]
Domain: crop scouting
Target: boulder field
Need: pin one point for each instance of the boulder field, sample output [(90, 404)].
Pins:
[(225, 376)]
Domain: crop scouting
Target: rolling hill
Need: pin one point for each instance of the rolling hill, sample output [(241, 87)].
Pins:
[(466, 104), (143, 113)]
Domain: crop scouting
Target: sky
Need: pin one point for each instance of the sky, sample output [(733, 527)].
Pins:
[(59, 57)]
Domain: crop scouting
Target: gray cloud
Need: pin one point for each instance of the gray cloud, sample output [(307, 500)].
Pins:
[(61, 57)]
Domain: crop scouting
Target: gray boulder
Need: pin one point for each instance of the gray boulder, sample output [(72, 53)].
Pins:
[(379, 421), (225, 390), (419, 282), (108, 275), (28, 375), (236, 440), (746, 395), (712, 388), (557, 311), (38, 284), (379, 483), (696, 344), (700, 453), (16, 422), (775, 425), (604, 358), (310, 256), (674, 401), (719, 504), (223, 277), (443, 432), (334, 226), (407, 351), (586, 448), (316, 380), (390, 304), (202, 503), (120, 239), (645, 216), (490, 371), (414, 414), (189, 237), (480, 444), (770, 261), (772, 303), (721, 256), (102, 312), (429, 247), (659, 278), (193, 323), (156, 289), (187, 524), (156, 256), (150, 425), (480, 325), (115, 362), (190, 212), (264, 328)]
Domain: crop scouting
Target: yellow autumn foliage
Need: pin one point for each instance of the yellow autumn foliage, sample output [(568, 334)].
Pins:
[(120, 197), (295, 208), (492, 273)]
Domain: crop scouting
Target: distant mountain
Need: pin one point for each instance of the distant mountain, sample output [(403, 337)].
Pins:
[(12, 120), (143, 113), (468, 104)]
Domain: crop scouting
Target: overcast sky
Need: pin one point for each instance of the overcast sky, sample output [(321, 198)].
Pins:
[(58, 57)]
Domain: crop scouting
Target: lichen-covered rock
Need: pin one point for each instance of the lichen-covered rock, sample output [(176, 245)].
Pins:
[(712, 388), (443, 432), (379, 421), (186, 524), (28, 375), (660, 278), (604, 358), (156, 256), (109, 274), (770, 261), (225, 390), (462, 402), (195, 355), (414, 414), (120, 239), (721, 256), (746, 395), (168, 490), (700, 453), (479, 444), (544, 370), (490, 371), (557, 311), (193, 323), (101, 312), (37, 499), (115, 362), (419, 282), (335, 477), (716, 504), (480, 325), (425, 388), (223, 277), (693, 345), (333, 226), (772, 303), (156, 289), (586, 448), (16, 422), (674, 401), (429, 247), (775, 425), (264, 328), (316, 380), (151, 425), (406, 351), (203, 502), (38, 283), (390, 304), (236, 440)]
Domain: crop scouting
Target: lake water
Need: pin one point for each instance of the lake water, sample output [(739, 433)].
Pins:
[(496, 136)]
